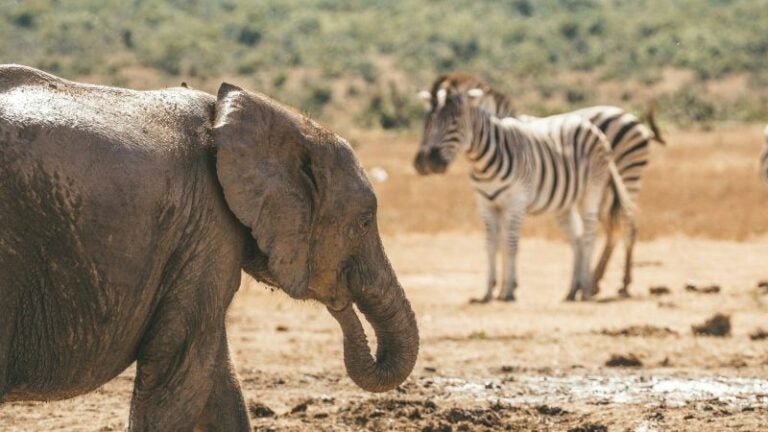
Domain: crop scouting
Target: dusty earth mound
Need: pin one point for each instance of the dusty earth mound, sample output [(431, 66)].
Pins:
[(640, 331)]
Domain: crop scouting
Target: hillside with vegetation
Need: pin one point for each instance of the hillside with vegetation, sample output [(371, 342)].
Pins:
[(359, 62)]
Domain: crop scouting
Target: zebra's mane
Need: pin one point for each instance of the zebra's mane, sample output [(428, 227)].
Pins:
[(462, 82)]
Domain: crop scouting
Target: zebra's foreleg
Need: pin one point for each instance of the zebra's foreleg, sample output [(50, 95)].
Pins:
[(513, 220), (629, 243), (491, 218), (570, 222)]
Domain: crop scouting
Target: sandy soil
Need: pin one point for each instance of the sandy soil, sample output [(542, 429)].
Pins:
[(538, 364)]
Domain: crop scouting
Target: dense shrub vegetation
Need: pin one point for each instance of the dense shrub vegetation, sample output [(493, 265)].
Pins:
[(362, 60)]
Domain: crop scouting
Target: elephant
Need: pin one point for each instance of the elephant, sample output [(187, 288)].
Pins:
[(127, 218)]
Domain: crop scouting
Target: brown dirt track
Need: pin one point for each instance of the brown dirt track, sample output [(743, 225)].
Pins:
[(538, 364)]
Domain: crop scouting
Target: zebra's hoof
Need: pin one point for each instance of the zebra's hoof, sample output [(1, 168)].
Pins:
[(506, 298), (485, 299), (570, 298), (624, 293)]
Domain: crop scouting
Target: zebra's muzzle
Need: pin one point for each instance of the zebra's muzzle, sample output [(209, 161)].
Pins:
[(430, 162)]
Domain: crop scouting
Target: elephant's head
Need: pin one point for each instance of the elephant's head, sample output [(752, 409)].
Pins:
[(312, 215)]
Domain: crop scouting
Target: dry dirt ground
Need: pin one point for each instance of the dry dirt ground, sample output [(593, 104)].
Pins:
[(538, 364)]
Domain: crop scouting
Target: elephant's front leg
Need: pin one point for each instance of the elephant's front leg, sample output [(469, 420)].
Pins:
[(175, 370), (225, 410), (6, 333), (513, 220)]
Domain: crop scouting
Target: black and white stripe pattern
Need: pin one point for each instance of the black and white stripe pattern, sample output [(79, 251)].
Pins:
[(629, 139), (560, 165)]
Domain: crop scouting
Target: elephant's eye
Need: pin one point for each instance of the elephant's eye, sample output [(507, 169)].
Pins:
[(365, 221)]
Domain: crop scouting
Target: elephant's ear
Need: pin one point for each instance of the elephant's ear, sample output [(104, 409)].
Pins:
[(260, 160)]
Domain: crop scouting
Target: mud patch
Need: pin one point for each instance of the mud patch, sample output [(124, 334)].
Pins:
[(719, 325), (616, 388), (659, 290), (478, 417), (424, 415), (259, 410), (301, 407), (708, 289), (622, 360), (550, 410), (589, 427), (640, 331)]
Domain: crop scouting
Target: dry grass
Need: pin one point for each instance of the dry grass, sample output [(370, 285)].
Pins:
[(703, 184)]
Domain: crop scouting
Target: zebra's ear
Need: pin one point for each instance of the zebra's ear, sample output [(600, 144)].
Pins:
[(475, 93), (441, 97), (426, 98)]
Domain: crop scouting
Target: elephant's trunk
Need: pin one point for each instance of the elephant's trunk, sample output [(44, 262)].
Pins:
[(397, 339)]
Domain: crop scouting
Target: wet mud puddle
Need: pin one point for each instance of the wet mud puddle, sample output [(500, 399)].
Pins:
[(625, 388)]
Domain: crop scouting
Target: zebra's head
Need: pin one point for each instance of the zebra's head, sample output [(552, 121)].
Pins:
[(446, 128), (447, 106)]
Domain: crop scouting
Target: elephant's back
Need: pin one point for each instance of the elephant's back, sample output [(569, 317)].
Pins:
[(110, 150), (99, 153), (33, 101)]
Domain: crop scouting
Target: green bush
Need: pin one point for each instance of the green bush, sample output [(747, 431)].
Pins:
[(391, 109), (318, 98), (520, 42)]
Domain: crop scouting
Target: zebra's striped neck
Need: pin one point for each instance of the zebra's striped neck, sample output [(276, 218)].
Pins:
[(493, 150)]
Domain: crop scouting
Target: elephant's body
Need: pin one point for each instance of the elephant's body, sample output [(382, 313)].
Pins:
[(90, 177), (126, 218)]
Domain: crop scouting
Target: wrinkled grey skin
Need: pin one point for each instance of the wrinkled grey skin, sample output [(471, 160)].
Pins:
[(126, 218)]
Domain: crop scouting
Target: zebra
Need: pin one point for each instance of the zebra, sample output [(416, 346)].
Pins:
[(629, 140), (521, 167), (764, 158)]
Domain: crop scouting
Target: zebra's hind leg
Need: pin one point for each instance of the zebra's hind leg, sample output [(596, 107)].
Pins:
[(630, 233), (610, 225), (491, 219), (588, 246), (570, 221)]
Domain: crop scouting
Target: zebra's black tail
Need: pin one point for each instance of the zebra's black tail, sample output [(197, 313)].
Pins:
[(649, 118)]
